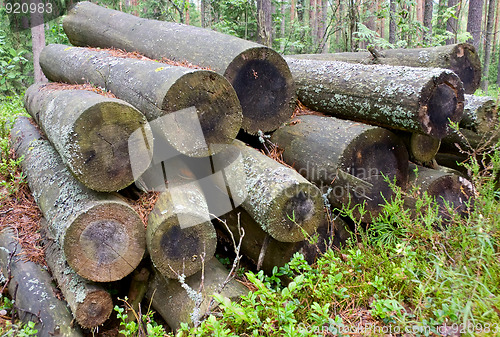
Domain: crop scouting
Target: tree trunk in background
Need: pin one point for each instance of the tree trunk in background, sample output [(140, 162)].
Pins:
[(495, 30), (428, 20), (370, 19), (293, 11), (498, 74), (380, 21), (38, 42), (487, 45), (313, 24), (324, 18), (441, 25), (320, 32), (300, 10), (420, 10), (392, 22), (452, 24), (474, 22), (205, 10), (264, 22), (283, 25)]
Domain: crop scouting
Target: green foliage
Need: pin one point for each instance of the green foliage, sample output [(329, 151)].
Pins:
[(18, 330), (143, 326), (10, 177)]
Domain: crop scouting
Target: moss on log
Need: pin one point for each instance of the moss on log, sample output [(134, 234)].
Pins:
[(90, 303), (462, 59), (199, 108), (480, 114), (102, 237), (176, 305), (448, 189), (275, 253), (105, 142), (180, 235), (259, 75), (421, 100), (30, 287), (329, 151), (280, 200)]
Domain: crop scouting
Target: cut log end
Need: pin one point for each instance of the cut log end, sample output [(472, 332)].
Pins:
[(265, 88), (114, 149), (467, 65), (444, 103), (176, 250), (376, 155), (217, 107), (106, 249), (451, 191), (95, 309), (423, 148), (300, 213)]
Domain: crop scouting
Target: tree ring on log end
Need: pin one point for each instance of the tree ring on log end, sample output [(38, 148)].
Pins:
[(218, 113), (106, 141), (450, 190), (265, 88), (375, 156), (95, 309), (175, 250), (440, 102), (423, 147), (105, 243), (298, 212)]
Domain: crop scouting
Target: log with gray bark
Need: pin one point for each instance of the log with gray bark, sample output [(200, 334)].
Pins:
[(177, 305), (264, 251), (330, 151), (419, 100), (105, 142), (30, 287), (259, 75), (281, 201), (464, 140), (180, 235), (462, 59), (102, 237), (480, 114), (197, 110), (448, 188)]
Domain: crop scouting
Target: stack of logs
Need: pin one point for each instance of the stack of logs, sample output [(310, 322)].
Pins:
[(173, 129)]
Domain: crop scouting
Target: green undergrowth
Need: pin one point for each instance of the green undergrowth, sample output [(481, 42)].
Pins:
[(10, 176)]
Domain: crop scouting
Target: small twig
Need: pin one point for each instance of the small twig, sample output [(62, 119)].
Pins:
[(375, 53), (263, 251)]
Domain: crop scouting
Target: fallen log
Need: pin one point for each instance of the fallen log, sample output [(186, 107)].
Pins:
[(90, 303), (177, 305), (102, 237), (329, 151), (30, 287), (259, 75), (464, 140), (422, 100), (264, 251), (199, 109), (180, 236), (480, 114), (462, 59), (446, 188), (105, 142), (281, 201)]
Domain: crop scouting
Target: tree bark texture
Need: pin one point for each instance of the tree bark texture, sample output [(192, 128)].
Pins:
[(264, 22), (422, 100), (102, 237), (174, 303), (106, 143), (327, 151), (480, 114), (281, 201), (474, 21), (452, 24), (30, 287), (392, 21), (199, 110), (38, 41), (462, 59), (90, 303), (467, 140), (487, 45), (180, 235), (273, 253), (428, 6), (259, 75)]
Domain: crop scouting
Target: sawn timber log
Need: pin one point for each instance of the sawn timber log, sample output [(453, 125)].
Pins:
[(259, 75), (102, 237)]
